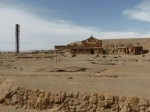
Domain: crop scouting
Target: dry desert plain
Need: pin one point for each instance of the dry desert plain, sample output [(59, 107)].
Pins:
[(108, 75)]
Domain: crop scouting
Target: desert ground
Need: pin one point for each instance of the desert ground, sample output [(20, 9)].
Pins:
[(120, 75)]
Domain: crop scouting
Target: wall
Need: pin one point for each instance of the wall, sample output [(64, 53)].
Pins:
[(87, 50), (72, 102), (145, 51)]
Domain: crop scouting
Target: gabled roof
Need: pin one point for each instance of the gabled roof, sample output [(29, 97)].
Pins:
[(79, 43), (91, 38)]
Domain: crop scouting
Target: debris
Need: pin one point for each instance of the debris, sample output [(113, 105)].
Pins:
[(74, 55), (70, 78), (68, 69)]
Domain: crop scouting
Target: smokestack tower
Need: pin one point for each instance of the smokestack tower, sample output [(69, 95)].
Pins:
[(17, 37)]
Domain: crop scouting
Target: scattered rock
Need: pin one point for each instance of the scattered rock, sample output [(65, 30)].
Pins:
[(74, 55), (69, 101), (132, 100), (21, 68), (70, 78)]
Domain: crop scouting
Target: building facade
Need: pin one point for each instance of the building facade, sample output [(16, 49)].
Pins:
[(135, 50), (131, 50), (88, 46)]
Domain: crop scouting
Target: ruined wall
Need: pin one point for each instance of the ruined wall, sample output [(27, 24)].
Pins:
[(85, 50), (72, 102), (145, 51)]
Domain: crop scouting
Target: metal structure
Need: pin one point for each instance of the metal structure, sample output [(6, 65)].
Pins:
[(17, 37)]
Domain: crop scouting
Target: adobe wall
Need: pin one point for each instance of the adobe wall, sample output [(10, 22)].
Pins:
[(72, 102), (87, 51)]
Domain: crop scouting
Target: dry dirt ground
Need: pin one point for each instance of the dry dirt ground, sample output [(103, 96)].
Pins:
[(109, 74)]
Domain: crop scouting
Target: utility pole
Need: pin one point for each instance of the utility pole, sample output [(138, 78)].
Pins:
[(17, 37)]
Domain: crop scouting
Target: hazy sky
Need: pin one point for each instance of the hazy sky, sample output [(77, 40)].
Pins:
[(44, 22)]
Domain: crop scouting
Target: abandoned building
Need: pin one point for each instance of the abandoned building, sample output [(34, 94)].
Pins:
[(131, 50), (88, 46), (123, 50), (94, 46), (135, 50)]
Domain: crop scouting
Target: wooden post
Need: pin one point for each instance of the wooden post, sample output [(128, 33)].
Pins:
[(1, 62), (59, 58)]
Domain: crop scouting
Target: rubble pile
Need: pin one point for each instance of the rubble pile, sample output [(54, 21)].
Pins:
[(72, 102)]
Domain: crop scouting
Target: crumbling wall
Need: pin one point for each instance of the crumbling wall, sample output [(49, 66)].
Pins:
[(72, 102)]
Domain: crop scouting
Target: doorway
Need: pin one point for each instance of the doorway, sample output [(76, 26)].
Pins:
[(92, 51)]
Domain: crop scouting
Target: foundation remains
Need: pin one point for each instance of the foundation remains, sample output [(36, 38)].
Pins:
[(72, 102)]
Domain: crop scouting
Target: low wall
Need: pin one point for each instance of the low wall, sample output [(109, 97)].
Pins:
[(72, 102)]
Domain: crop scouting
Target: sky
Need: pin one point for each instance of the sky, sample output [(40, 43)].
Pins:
[(45, 23)]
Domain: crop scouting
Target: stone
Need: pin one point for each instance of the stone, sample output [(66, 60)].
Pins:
[(76, 102), (109, 97), (21, 92), (134, 108), (21, 104), (101, 104), (62, 95), (106, 110), (57, 99), (108, 102), (93, 99), (83, 97), (148, 109), (16, 106), (116, 98), (2, 98), (25, 106), (69, 94), (132, 100), (75, 94), (126, 109), (122, 98), (143, 102), (94, 107), (73, 102), (101, 97), (83, 110), (142, 111), (114, 106), (15, 99), (70, 103), (126, 104), (121, 105), (47, 94), (143, 107), (85, 103), (41, 95), (90, 59), (89, 107), (36, 94)]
